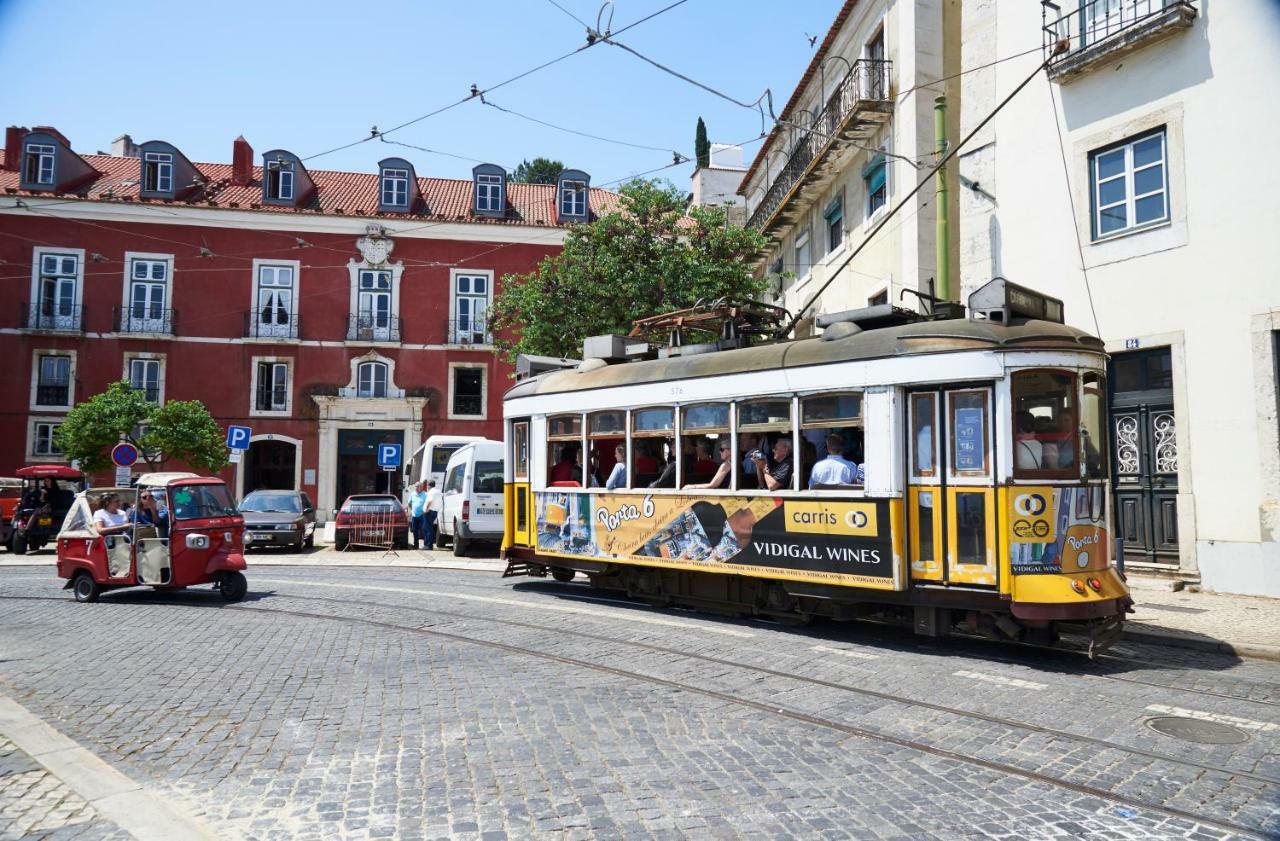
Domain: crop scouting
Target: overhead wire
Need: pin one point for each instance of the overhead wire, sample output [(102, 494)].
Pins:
[(567, 130)]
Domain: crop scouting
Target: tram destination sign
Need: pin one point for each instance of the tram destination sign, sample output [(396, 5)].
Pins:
[(825, 541)]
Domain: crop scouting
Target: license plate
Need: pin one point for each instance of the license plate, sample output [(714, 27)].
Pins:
[(487, 512), (261, 536), (46, 521), (372, 533)]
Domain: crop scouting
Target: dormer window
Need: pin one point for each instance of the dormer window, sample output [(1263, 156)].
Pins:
[(395, 187), (38, 167), (280, 180), (489, 193), (157, 172), (573, 198)]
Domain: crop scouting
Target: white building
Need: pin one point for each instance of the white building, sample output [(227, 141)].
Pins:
[(1163, 191)]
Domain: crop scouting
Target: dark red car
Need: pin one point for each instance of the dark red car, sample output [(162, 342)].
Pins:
[(373, 520)]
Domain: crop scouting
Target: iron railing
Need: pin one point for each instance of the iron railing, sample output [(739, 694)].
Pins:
[(272, 326), (468, 331), (145, 320), (1093, 21), (867, 81), (50, 316), (53, 395), (373, 328)]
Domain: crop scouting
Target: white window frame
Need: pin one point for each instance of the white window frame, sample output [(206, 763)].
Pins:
[(805, 267), (37, 260), (287, 411), (147, 356), (454, 295), (1127, 176), (36, 356), (285, 170), (32, 427), (371, 392), (397, 179), (351, 389), (289, 330), (163, 162), (354, 268), (489, 192), (573, 198), (127, 321), (484, 391), (45, 153)]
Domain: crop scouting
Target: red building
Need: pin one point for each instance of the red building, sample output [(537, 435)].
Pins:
[(328, 311)]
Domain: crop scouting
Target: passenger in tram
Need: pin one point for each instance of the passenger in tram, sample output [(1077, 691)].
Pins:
[(747, 443), (1028, 450), (704, 465), (667, 479), (1065, 436), (569, 468), (618, 476), (646, 464), (721, 477), (835, 470), (774, 472)]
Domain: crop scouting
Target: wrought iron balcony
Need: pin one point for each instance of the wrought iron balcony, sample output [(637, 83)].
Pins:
[(373, 328), (1105, 29), (468, 331), (266, 324), (150, 320), (51, 316), (857, 107)]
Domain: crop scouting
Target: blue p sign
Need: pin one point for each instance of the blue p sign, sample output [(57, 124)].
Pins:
[(238, 437), (388, 455)]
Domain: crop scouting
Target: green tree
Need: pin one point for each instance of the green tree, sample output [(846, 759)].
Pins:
[(646, 258), (539, 171), (702, 146), (181, 429)]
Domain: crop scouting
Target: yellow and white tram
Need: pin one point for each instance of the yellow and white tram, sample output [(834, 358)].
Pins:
[(977, 499)]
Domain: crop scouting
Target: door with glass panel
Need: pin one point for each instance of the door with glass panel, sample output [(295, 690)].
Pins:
[(147, 287), (373, 319)]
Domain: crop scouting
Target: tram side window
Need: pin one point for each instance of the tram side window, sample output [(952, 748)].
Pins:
[(764, 446), (520, 446), (653, 448), (923, 437), (1046, 430), (1093, 427), (832, 441), (607, 449), (706, 445), (564, 451)]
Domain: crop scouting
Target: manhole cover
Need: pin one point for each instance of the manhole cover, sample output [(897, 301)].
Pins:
[(1197, 730)]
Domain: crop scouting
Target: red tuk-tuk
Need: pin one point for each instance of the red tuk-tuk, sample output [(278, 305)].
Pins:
[(45, 496), (197, 538)]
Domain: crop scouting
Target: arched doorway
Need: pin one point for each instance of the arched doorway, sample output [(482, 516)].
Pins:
[(270, 465)]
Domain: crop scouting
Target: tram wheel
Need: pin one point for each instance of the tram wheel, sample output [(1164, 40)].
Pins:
[(85, 588), (233, 587), (564, 576)]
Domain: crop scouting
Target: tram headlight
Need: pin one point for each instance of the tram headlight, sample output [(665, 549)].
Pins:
[(1078, 586), (1095, 585)]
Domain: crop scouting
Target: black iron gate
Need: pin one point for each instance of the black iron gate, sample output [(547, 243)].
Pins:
[(1145, 456)]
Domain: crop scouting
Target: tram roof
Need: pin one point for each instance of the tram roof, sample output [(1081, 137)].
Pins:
[(916, 339)]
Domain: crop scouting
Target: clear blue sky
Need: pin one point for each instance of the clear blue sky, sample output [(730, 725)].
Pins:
[(310, 76)]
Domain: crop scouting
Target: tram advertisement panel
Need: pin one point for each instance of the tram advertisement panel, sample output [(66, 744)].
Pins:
[(1056, 530), (843, 542)]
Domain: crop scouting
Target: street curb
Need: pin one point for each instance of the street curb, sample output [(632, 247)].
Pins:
[(1243, 649)]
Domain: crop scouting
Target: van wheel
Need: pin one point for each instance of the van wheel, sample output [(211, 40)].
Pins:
[(441, 540), (460, 543), (85, 588), (233, 587), (563, 575)]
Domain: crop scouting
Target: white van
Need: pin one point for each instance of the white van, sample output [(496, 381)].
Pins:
[(471, 502), (429, 460)]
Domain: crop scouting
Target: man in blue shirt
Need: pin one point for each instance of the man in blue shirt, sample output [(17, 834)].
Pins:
[(417, 519), (835, 469)]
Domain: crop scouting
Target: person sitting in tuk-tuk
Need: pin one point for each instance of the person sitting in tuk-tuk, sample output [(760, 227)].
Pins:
[(150, 512), (109, 519)]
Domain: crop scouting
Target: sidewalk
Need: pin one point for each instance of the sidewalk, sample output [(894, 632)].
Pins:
[(1247, 626)]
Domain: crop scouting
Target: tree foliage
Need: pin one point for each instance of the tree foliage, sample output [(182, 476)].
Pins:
[(639, 261), (702, 146), (537, 171), (181, 429)]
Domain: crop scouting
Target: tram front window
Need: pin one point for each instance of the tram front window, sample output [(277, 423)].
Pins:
[(1093, 429), (832, 441), (1046, 425)]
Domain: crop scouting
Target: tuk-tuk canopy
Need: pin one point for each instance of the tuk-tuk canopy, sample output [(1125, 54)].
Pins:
[(159, 480), (79, 519), (52, 471)]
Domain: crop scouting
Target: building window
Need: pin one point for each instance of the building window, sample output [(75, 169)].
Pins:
[(804, 254), (272, 393), (875, 47), (879, 299), (834, 214), (489, 192), (373, 306), (470, 309), (53, 380), (874, 179), (1130, 185), (395, 187), (157, 172), (280, 180), (148, 293), (44, 439), (466, 391), (57, 292), (273, 311), (573, 198), (38, 167), (144, 376), (371, 379)]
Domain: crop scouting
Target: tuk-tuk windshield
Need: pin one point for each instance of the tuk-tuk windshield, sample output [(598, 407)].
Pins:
[(194, 502)]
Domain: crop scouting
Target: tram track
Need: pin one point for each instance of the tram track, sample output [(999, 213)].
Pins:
[(768, 708)]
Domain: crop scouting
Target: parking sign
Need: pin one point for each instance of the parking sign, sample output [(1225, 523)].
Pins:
[(238, 437), (388, 456)]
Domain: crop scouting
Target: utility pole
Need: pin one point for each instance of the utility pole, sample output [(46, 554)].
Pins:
[(942, 208)]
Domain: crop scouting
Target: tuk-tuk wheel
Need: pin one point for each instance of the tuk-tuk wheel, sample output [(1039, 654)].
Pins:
[(18, 543), (233, 587), (85, 588)]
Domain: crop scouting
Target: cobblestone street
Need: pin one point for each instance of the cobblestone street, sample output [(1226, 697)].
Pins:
[(349, 702)]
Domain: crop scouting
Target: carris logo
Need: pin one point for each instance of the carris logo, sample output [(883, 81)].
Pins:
[(856, 519), (1030, 505)]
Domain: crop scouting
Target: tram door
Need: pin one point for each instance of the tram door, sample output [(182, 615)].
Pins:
[(951, 487)]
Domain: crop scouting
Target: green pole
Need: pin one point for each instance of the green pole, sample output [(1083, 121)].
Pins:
[(942, 208)]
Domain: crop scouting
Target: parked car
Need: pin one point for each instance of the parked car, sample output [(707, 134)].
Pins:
[(278, 518), (471, 502), (371, 520), (47, 493)]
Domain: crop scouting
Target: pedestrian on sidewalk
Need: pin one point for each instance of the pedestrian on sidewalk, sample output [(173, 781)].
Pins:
[(431, 512), (417, 522)]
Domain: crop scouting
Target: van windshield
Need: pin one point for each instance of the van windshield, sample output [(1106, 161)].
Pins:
[(488, 479), (194, 502)]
